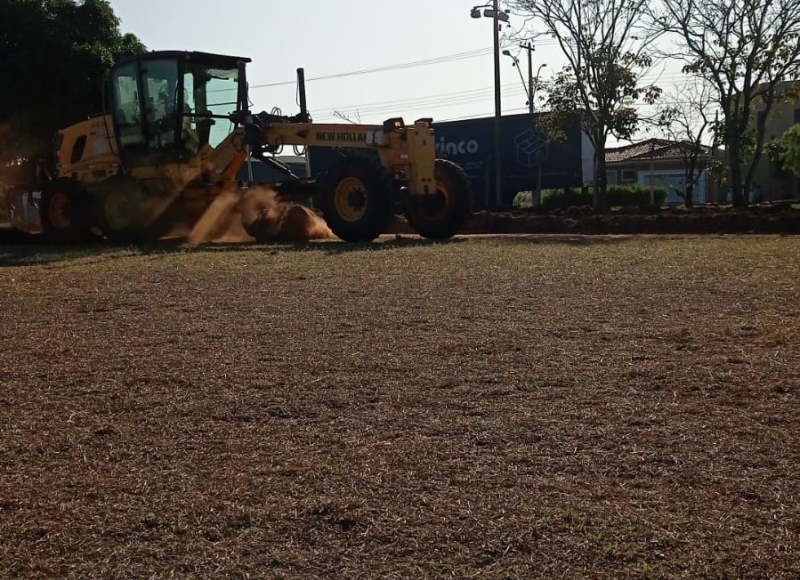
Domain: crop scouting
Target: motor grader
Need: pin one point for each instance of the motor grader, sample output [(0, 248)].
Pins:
[(178, 131)]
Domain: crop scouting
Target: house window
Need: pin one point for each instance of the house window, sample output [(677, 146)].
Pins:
[(629, 176), (797, 116), (611, 177)]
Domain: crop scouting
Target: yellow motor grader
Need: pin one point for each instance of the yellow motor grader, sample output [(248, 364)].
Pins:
[(178, 132)]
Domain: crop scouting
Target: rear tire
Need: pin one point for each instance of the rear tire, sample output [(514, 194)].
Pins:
[(65, 210), (356, 199), (444, 215)]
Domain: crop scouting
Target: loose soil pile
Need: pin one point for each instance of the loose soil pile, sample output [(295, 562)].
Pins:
[(586, 407), (267, 218), (775, 219), (257, 214)]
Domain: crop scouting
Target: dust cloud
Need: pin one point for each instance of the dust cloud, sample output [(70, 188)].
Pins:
[(217, 221), (266, 218), (17, 171), (257, 214), (17, 154)]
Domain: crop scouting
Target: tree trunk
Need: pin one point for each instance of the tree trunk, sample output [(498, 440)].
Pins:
[(738, 195), (738, 198), (689, 199), (690, 181)]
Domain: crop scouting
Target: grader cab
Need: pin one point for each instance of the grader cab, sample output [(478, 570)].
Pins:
[(179, 132)]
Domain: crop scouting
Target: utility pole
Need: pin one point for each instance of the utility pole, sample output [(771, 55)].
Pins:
[(652, 172), (529, 47)]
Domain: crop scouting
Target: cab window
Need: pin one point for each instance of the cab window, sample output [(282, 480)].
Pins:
[(78, 149), (127, 113)]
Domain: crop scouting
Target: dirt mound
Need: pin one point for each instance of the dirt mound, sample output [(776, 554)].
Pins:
[(266, 218), (257, 214), (700, 220)]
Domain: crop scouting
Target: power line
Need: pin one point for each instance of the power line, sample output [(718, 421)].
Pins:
[(457, 98), (434, 96), (454, 98), (391, 67), (436, 105), (400, 66), (477, 116)]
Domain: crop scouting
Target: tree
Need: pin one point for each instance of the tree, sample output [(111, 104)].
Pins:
[(745, 49), (687, 120), (55, 55), (602, 80)]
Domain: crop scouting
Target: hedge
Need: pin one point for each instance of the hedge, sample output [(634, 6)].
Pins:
[(618, 196)]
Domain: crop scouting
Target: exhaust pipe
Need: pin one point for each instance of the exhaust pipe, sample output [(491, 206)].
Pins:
[(301, 89)]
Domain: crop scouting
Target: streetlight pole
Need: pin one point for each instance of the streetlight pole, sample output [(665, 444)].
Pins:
[(533, 84), (498, 165), (497, 17)]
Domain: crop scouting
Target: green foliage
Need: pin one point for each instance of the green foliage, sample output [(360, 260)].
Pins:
[(566, 197), (609, 107), (785, 151), (625, 195), (618, 196), (55, 55)]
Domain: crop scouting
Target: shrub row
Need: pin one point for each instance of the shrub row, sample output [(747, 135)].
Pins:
[(618, 196)]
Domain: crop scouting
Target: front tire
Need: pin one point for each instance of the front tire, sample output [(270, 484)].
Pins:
[(442, 215), (65, 209), (356, 199)]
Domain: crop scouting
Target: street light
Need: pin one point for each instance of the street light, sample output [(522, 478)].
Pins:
[(530, 91), (519, 70), (535, 83), (534, 87), (492, 11)]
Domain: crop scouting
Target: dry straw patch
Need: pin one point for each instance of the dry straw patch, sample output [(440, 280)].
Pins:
[(555, 408)]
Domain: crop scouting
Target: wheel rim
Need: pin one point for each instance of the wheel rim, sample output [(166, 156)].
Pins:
[(444, 191), (350, 199), (58, 211)]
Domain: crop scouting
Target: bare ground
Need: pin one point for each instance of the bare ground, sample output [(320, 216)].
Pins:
[(547, 407)]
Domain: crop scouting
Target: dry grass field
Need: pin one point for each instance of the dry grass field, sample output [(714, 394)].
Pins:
[(542, 407)]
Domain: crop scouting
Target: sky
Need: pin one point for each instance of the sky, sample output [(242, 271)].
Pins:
[(439, 60)]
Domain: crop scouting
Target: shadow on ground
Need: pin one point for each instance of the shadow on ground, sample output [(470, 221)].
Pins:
[(575, 227), (23, 249), (33, 251)]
